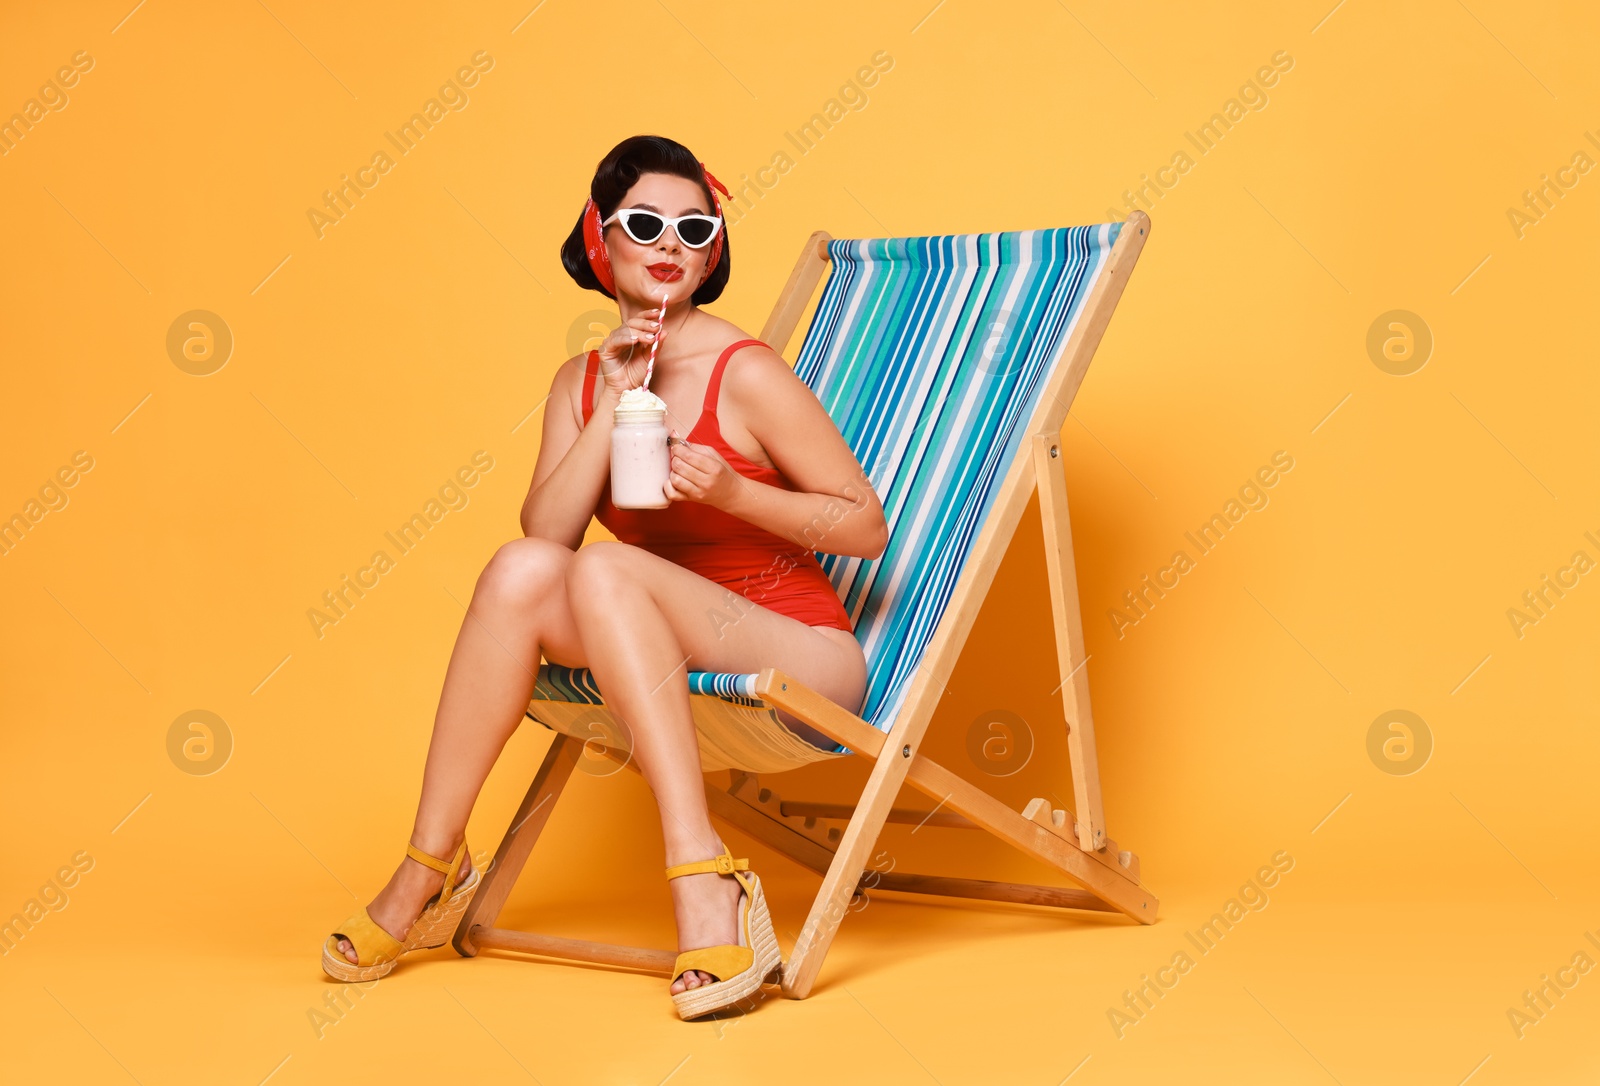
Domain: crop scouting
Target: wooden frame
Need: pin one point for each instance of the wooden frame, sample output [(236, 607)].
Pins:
[(1076, 845)]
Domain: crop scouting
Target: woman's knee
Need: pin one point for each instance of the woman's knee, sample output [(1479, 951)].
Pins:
[(524, 571), (597, 570)]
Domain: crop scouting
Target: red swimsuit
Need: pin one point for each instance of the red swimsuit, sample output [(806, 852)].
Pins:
[(764, 568)]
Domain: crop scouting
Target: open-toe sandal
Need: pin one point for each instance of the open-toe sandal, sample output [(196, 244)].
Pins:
[(740, 969), (376, 950)]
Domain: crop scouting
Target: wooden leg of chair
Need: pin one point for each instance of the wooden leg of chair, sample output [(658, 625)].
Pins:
[(1061, 568), (518, 842), (844, 873)]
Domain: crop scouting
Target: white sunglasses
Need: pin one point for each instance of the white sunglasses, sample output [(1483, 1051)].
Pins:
[(695, 231)]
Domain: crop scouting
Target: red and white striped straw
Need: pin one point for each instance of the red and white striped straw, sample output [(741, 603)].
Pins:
[(662, 321)]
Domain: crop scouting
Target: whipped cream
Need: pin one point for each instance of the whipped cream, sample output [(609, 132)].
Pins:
[(640, 399)]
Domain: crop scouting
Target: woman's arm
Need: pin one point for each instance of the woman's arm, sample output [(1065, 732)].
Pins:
[(834, 508), (574, 461)]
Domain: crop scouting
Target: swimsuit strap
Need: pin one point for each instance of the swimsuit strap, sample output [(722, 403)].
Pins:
[(589, 372), (715, 384)]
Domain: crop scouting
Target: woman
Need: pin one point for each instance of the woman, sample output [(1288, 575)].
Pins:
[(760, 466)]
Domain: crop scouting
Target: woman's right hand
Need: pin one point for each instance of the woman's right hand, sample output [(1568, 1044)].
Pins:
[(625, 353)]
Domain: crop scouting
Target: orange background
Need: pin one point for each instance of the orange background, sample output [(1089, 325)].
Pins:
[(370, 363)]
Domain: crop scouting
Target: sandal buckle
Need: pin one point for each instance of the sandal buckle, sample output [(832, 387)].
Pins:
[(725, 864)]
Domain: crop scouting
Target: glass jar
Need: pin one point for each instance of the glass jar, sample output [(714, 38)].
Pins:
[(640, 462)]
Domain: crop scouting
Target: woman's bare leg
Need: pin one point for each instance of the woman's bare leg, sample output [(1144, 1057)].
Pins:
[(645, 623), (518, 607)]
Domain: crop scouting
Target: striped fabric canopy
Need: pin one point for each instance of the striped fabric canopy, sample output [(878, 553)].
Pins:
[(930, 354)]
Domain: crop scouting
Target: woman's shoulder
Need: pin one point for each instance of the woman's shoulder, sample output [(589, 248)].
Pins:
[(756, 370), (570, 372), (567, 384)]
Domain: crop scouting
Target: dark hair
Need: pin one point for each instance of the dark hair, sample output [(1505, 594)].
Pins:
[(618, 172)]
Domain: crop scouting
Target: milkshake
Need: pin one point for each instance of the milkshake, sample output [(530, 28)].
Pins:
[(640, 463)]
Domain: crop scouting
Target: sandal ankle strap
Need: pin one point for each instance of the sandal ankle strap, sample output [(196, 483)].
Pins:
[(724, 864), (449, 867)]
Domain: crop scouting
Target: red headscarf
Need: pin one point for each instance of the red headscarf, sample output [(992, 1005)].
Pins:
[(594, 241)]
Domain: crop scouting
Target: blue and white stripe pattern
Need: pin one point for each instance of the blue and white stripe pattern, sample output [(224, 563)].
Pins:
[(930, 354), (577, 684)]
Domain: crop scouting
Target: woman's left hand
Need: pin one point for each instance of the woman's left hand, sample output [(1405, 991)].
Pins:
[(699, 473)]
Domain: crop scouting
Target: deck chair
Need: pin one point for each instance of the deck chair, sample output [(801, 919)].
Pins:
[(949, 365)]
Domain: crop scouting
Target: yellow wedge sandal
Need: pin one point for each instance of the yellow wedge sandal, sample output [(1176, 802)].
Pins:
[(378, 951), (739, 969)]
